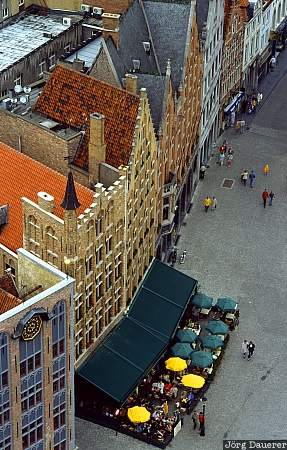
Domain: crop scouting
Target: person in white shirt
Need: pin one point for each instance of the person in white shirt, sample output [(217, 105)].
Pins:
[(244, 348)]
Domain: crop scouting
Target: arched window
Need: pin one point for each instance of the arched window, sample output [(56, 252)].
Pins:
[(90, 231)]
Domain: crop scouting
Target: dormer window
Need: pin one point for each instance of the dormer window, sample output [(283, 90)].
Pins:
[(146, 46), (136, 64)]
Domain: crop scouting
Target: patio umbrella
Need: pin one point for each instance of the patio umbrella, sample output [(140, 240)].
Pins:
[(175, 364), (138, 414), (186, 336), (193, 381), (217, 327), (212, 342), (183, 350), (201, 359), (202, 301), (226, 304)]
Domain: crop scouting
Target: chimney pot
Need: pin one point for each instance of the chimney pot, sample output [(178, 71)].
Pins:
[(131, 83), (46, 201)]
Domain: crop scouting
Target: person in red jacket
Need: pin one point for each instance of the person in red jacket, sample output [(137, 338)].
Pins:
[(201, 419), (265, 195)]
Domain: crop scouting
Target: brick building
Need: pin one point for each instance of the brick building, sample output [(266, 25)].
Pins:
[(164, 57), (37, 357), (232, 60), (113, 240), (33, 43)]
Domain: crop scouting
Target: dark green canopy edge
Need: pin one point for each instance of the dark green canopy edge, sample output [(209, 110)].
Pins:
[(141, 337)]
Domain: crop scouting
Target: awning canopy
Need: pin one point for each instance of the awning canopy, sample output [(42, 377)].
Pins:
[(234, 103), (133, 347)]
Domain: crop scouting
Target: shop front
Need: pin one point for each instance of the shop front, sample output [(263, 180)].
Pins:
[(232, 108), (127, 370)]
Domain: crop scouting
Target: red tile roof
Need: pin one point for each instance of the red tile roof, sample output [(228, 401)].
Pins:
[(21, 176), (7, 301), (7, 284), (69, 98)]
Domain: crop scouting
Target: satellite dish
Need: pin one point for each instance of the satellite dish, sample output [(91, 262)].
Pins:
[(27, 89), (18, 88), (23, 99)]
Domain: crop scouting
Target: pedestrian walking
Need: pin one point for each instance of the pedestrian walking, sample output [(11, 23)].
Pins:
[(194, 418), (266, 169), (214, 203), (202, 171), (265, 195), (252, 178), (229, 160), (273, 63), (251, 348), (201, 419), (259, 97), (271, 196), (244, 177), (221, 159), (244, 348), (207, 202)]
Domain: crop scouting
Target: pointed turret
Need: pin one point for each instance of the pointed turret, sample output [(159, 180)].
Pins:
[(70, 202)]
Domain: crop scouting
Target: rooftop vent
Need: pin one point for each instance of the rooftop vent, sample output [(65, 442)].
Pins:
[(67, 21), (85, 8), (146, 46), (47, 35), (3, 215), (136, 64), (97, 11)]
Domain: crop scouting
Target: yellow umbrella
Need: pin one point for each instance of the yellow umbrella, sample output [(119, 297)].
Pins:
[(176, 364), (193, 381), (138, 414)]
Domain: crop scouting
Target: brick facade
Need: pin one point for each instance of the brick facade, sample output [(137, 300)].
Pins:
[(232, 50)]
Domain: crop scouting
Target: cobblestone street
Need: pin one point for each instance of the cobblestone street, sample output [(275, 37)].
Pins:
[(239, 250)]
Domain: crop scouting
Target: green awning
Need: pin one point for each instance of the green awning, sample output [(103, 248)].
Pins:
[(133, 347)]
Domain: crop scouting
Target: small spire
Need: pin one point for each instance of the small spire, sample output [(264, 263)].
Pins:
[(70, 202)]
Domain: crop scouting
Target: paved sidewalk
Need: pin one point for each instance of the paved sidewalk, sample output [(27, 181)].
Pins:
[(239, 250)]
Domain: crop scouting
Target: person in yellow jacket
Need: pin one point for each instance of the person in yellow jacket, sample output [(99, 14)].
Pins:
[(266, 169), (207, 202)]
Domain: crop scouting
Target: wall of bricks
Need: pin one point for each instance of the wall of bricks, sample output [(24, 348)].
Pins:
[(102, 70), (37, 142)]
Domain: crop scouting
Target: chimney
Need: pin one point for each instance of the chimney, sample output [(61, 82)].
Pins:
[(78, 65), (46, 201), (97, 146), (111, 23), (131, 83)]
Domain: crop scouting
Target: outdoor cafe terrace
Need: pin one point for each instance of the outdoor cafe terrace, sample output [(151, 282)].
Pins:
[(158, 362)]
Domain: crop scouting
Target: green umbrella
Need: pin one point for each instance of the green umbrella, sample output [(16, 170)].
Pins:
[(201, 359), (202, 301), (212, 342), (186, 336), (217, 327), (226, 304), (182, 350)]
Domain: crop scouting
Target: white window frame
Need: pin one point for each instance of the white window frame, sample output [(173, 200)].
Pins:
[(18, 81), (42, 67), (5, 12), (52, 61), (21, 2)]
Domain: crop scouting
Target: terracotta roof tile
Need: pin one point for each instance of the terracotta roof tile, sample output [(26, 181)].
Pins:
[(21, 176), (7, 301), (7, 284), (69, 98)]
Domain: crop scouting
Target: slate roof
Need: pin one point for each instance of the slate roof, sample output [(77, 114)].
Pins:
[(70, 97), (201, 8), (166, 22), (155, 86), (7, 301), (169, 24), (133, 31), (22, 176)]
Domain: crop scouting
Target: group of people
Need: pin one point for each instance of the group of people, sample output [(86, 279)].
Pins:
[(225, 154), (252, 178), (247, 349), (209, 202)]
